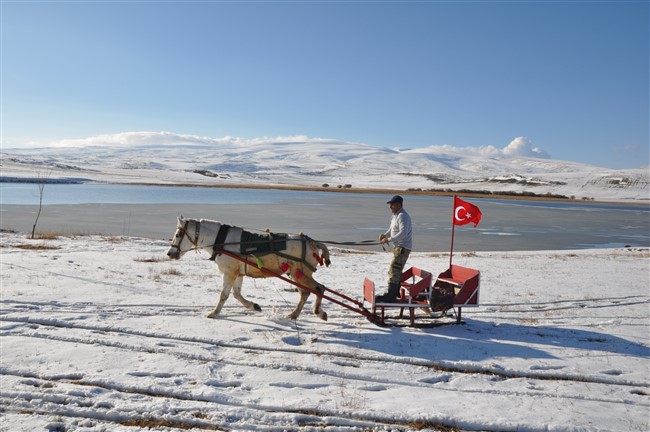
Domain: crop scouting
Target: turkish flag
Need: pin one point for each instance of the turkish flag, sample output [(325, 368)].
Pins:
[(465, 213)]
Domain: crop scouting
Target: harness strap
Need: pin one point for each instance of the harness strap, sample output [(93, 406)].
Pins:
[(197, 228), (219, 241), (300, 260), (303, 259)]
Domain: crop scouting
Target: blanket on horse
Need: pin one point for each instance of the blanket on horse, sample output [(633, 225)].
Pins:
[(261, 244), (241, 242)]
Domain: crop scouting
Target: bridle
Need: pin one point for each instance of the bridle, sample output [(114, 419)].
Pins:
[(183, 233), (194, 241)]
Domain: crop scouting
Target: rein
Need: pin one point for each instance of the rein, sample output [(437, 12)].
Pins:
[(219, 243), (350, 243)]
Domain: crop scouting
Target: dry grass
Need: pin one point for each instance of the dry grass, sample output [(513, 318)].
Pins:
[(36, 247), (55, 235), (630, 252), (46, 235), (115, 239), (563, 257), (157, 275), (149, 423), (424, 424), (153, 259), (171, 272), (350, 398), (529, 321)]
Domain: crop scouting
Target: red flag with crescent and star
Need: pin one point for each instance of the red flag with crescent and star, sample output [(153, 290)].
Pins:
[(465, 213)]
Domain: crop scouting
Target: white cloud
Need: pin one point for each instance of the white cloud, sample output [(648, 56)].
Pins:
[(518, 147), (129, 139), (523, 146), (489, 151)]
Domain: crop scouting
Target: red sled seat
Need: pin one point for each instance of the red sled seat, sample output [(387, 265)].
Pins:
[(456, 287), (415, 292)]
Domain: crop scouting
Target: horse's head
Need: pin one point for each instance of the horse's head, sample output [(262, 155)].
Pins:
[(182, 241)]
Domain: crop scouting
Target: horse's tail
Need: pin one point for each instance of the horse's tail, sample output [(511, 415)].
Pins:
[(324, 253)]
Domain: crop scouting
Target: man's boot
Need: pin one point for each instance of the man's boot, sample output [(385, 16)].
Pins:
[(391, 296)]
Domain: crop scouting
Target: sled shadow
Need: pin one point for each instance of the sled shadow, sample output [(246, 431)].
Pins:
[(480, 340)]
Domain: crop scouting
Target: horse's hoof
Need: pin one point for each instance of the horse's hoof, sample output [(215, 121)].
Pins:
[(257, 307), (292, 316), (212, 315), (323, 316)]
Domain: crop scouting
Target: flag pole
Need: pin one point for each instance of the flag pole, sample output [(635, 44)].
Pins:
[(453, 229)]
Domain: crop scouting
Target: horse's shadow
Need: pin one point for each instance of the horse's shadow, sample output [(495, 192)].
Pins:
[(481, 340)]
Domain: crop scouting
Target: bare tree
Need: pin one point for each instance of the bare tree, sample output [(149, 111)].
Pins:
[(42, 180)]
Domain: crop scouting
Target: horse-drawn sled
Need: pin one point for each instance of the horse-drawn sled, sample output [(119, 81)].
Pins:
[(294, 258)]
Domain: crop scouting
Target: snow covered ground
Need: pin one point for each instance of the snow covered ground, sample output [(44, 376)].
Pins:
[(106, 334), (168, 158)]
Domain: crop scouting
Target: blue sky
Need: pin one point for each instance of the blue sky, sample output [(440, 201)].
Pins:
[(571, 76)]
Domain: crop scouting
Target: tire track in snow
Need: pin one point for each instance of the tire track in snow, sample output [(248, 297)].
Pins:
[(365, 381), (446, 366), (72, 405)]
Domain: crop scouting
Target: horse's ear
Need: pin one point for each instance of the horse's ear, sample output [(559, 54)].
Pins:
[(180, 220)]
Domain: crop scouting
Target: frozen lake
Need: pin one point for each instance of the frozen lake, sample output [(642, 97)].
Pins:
[(151, 211)]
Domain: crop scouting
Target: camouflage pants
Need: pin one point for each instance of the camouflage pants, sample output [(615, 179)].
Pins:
[(400, 255)]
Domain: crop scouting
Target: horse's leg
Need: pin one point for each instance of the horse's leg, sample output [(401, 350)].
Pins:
[(236, 292), (225, 292), (308, 282), (318, 311), (304, 295)]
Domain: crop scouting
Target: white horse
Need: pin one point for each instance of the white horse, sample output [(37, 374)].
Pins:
[(295, 255)]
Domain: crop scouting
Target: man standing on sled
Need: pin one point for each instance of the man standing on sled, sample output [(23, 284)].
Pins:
[(401, 236)]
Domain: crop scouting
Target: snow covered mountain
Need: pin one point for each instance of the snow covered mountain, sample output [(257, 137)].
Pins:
[(167, 158)]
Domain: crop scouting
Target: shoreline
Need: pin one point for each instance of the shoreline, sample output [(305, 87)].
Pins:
[(474, 194), (514, 196)]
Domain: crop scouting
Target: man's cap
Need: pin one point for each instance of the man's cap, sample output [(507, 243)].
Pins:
[(395, 199)]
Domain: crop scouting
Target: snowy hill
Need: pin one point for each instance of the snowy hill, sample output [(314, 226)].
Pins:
[(165, 158)]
